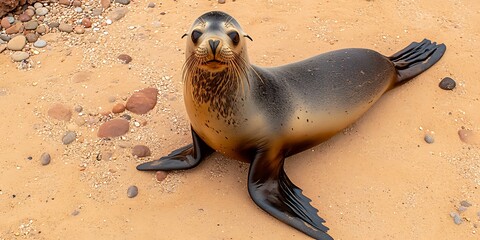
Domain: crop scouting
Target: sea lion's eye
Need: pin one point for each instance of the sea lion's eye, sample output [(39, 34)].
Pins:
[(235, 37), (196, 35)]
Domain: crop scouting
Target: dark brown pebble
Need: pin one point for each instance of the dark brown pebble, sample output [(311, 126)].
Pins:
[(161, 175), (113, 128), (125, 58), (447, 84), (141, 151)]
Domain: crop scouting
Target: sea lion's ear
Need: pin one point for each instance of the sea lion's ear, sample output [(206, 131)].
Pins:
[(184, 35), (248, 37)]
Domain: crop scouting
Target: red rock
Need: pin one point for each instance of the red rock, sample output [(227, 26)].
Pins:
[(29, 12), (77, 3), (5, 23), (142, 101), (15, 28), (105, 4), (24, 17), (113, 128), (469, 136), (125, 58), (141, 151), (60, 112), (118, 108), (64, 2), (161, 175), (86, 22)]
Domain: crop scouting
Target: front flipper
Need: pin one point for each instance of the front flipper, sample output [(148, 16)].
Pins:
[(183, 158), (271, 190)]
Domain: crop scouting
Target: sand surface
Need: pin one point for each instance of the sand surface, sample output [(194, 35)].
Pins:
[(377, 180)]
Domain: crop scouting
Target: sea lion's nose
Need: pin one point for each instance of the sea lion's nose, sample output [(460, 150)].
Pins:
[(213, 45)]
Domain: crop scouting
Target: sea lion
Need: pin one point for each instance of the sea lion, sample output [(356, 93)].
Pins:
[(261, 115)]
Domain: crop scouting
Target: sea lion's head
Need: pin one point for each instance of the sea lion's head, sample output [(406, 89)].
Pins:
[(215, 42)]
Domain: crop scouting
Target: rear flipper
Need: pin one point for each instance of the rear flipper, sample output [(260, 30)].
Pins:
[(183, 158), (416, 58)]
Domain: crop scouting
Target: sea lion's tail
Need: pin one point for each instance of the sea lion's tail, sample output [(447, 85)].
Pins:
[(416, 58)]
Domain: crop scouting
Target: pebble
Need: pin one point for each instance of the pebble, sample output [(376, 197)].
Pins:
[(78, 108), (132, 191), (54, 24), (3, 47), (79, 29), (80, 121), (37, 5), (19, 56), (31, 25), (142, 101), (465, 203), (117, 14), (97, 12), (17, 43), (24, 17), (113, 128), (77, 3), (105, 3), (41, 29), (78, 9), (127, 117), (64, 2), (15, 28), (40, 43), (456, 218), (41, 11), (60, 112), (118, 108), (468, 136), (428, 138), (124, 2), (10, 19), (45, 159), (75, 212), (161, 175), (151, 4), (447, 84), (65, 27), (5, 23), (221, 1), (5, 37), (31, 37), (462, 209), (86, 22), (69, 137), (141, 151), (125, 58)]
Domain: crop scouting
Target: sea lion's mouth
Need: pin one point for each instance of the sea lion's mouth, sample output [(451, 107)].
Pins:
[(215, 61)]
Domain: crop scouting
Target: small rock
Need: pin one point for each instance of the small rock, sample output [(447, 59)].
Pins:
[(447, 84), (86, 22), (65, 27), (469, 136), (127, 117), (42, 29), (5, 37), (125, 58), (161, 175), (20, 56), (32, 25), (221, 1), (69, 137), (15, 28), (40, 43), (11, 19), (54, 24), (132, 191), (105, 3), (78, 108), (118, 108), (151, 4), (37, 5), (78, 9), (45, 159), (456, 218), (3, 47), (113, 128), (117, 13), (30, 12), (77, 3), (64, 2), (60, 112), (24, 17), (31, 37), (75, 212), (124, 2), (5, 23), (80, 121), (462, 209), (41, 11), (97, 11), (428, 138), (142, 101), (465, 203), (141, 151), (17, 43), (79, 29)]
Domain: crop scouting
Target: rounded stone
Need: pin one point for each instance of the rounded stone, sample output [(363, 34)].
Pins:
[(17, 43), (15, 28), (79, 29), (37, 5), (5, 23), (45, 159), (41, 11), (447, 84), (69, 137), (78, 108), (428, 138), (78, 9), (468, 136), (124, 2), (161, 175), (60, 112), (31, 37), (65, 27), (221, 1), (124, 58), (24, 17), (30, 12), (77, 3), (151, 4), (86, 22), (20, 56), (132, 191), (118, 108), (141, 151), (113, 128), (42, 29), (40, 43), (31, 25), (142, 101), (54, 24)]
